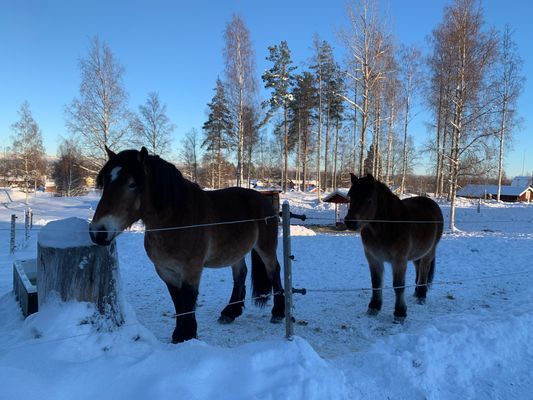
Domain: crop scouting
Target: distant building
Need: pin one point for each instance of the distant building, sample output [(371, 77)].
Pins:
[(340, 198), (521, 189), (522, 181)]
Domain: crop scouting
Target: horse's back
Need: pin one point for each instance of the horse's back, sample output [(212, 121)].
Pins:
[(424, 210), (242, 202)]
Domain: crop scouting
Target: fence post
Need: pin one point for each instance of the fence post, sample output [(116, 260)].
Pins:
[(287, 269), (12, 240), (30, 211), (26, 225)]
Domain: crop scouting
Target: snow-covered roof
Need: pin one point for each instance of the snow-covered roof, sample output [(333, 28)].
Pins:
[(480, 190), (343, 193), (522, 181)]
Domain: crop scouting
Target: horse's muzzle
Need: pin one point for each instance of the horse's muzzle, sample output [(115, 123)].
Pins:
[(351, 224), (100, 237)]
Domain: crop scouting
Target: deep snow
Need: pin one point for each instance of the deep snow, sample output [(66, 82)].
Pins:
[(472, 339)]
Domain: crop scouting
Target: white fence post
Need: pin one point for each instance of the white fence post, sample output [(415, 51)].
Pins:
[(287, 269)]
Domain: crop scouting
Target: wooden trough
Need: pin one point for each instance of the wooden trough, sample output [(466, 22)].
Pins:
[(25, 285)]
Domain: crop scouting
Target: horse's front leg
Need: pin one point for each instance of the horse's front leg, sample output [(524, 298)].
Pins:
[(376, 275), (182, 284), (234, 309), (398, 280), (184, 298)]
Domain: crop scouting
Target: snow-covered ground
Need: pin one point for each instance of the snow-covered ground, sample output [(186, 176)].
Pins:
[(472, 339)]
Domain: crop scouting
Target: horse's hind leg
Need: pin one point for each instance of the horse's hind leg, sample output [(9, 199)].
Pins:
[(278, 310), (236, 302), (266, 277), (423, 276)]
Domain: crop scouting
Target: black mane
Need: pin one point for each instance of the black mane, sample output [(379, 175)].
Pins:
[(166, 182)]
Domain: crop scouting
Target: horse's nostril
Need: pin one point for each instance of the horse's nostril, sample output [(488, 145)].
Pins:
[(99, 237), (350, 224)]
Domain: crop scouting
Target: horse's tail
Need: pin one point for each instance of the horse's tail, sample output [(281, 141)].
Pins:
[(261, 281), (431, 272)]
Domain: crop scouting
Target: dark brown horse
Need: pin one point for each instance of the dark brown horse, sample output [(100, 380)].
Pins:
[(141, 186), (389, 236)]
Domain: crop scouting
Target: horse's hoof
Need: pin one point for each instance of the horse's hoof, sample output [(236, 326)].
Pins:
[(276, 319), (372, 311), (421, 301), (399, 320), (180, 337), (225, 319)]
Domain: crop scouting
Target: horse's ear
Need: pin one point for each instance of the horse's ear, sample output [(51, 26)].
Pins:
[(370, 177), (110, 154), (143, 155), (353, 178)]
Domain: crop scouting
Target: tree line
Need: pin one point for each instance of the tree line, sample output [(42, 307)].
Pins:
[(322, 118)]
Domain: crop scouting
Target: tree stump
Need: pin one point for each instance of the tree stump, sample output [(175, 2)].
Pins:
[(72, 267)]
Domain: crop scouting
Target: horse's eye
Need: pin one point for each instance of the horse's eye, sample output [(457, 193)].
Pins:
[(132, 186)]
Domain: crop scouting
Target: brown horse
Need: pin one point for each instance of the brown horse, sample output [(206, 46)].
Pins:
[(388, 235), (141, 186)]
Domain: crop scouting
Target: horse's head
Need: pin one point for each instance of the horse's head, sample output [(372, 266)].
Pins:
[(122, 179), (362, 196)]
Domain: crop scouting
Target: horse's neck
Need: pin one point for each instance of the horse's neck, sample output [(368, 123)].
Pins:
[(182, 213), (389, 208)]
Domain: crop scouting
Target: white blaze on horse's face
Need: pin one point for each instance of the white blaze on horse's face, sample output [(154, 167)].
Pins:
[(118, 208), (114, 173)]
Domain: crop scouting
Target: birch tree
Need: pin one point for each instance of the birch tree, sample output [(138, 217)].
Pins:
[(391, 99), (68, 172), (410, 78), (239, 69), (28, 149), (366, 45), (190, 155), (99, 117), (438, 97), (472, 52), (508, 87), (153, 127)]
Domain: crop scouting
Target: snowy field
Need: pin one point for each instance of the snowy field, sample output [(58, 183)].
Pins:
[(473, 339)]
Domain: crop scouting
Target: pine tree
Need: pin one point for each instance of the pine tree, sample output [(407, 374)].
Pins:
[(324, 67), (280, 79), (302, 118), (336, 90), (218, 130), (251, 136)]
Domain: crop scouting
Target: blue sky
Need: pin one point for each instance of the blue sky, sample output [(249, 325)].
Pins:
[(175, 48)]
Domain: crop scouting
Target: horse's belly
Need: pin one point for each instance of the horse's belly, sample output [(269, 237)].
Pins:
[(228, 252)]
